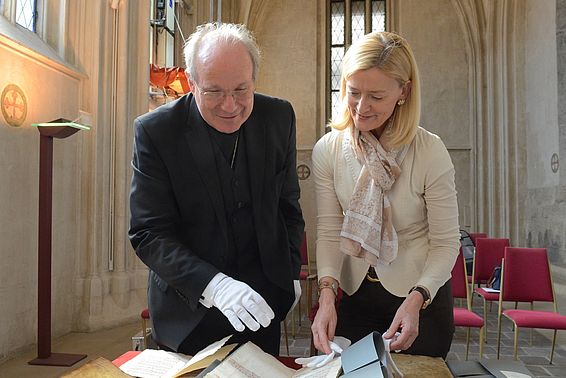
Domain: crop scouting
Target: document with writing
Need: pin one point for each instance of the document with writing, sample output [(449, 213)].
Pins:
[(153, 363), (251, 362)]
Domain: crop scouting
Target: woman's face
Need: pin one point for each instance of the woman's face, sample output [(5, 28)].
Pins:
[(372, 97)]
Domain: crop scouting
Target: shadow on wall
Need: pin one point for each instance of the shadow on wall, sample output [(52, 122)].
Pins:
[(552, 243)]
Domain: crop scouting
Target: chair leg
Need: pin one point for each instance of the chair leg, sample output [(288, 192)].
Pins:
[(309, 296), (498, 334), (481, 342), (300, 316), (144, 332), (293, 323), (485, 319), (286, 336), (467, 342), (515, 342), (553, 345), (532, 309)]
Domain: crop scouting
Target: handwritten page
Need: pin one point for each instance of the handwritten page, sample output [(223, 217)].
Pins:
[(251, 362), (205, 360), (153, 363), (330, 370)]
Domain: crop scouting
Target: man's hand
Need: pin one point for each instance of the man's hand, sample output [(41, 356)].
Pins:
[(241, 304)]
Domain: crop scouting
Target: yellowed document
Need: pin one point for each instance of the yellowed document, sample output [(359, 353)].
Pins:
[(153, 363), (249, 361)]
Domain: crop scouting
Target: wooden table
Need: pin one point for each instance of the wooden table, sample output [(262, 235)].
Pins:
[(421, 366), (410, 366)]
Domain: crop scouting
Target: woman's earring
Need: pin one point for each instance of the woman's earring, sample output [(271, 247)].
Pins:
[(401, 102)]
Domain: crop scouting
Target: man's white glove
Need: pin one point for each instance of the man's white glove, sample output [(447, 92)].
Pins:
[(338, 345), (298, 292), (241, 305)]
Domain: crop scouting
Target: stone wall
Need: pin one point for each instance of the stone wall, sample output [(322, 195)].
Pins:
[(546, 123)]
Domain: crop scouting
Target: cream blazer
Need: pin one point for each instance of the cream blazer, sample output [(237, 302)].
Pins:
[(425, 214)]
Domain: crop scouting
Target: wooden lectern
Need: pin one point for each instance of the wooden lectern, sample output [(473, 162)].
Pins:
[(60, 129)]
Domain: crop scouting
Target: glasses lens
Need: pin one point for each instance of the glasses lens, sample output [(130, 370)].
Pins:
[(218, 96)]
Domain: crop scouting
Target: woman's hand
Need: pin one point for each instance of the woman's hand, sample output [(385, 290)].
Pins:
[(406, 321), (324, 323)]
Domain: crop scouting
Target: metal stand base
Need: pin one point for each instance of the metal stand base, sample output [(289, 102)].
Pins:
[(58, 359)]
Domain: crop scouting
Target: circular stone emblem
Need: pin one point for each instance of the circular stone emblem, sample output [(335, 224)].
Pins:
[(14, 105)]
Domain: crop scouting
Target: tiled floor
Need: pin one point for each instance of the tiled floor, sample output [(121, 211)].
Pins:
[(535, 355), (113, 342)]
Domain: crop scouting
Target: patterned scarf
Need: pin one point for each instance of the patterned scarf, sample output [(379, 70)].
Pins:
[(367, 231)]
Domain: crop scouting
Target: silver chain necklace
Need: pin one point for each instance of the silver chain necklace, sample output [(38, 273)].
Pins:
[(234, 151)]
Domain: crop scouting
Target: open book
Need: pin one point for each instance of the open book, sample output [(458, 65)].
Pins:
[(368, 357), (250, 361), (153, 363)]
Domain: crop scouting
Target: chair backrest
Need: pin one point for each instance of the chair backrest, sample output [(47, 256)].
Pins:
[(305, 251), (477, 235), (459, 281), (488, 255), (526, 275)]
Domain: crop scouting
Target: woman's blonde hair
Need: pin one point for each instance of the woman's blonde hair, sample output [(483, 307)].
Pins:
[(391, 54)]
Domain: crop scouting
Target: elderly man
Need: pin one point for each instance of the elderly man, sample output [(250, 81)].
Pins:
[(214, 201)]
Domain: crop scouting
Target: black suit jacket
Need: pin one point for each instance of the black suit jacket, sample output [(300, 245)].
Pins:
[(178, 223)]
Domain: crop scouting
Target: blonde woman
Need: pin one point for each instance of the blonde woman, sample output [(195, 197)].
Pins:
[(388, 232)]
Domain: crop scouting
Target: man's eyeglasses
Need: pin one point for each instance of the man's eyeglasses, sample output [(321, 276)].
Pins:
[(214, 96)]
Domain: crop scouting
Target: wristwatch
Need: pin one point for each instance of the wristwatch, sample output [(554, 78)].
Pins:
[(328, 285), (424, 292)]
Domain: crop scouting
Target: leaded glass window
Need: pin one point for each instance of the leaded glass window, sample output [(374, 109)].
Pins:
[(26, 14), (348, 21)]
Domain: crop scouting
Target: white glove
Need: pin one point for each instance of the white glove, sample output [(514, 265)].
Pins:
[(338, 345), (386, 342), (241, 304), (387, 360), (298, 292)]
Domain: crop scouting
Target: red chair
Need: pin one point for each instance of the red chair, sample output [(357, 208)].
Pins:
[(144, 324), (488, 255), (476, 235), (307, 275), (518, 265), (464, 316)]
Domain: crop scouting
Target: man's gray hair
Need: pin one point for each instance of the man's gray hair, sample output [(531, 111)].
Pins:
[(221, 33)]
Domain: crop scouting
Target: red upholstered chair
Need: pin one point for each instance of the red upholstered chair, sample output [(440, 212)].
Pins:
[(488, 255), (518, 265), (308, 275), (477, 235), (464, 316), (144, 323)]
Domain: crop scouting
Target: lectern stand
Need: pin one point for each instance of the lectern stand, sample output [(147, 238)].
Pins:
[(59, 129)]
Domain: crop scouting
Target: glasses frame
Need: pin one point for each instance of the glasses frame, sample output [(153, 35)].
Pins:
[(218, 96)]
